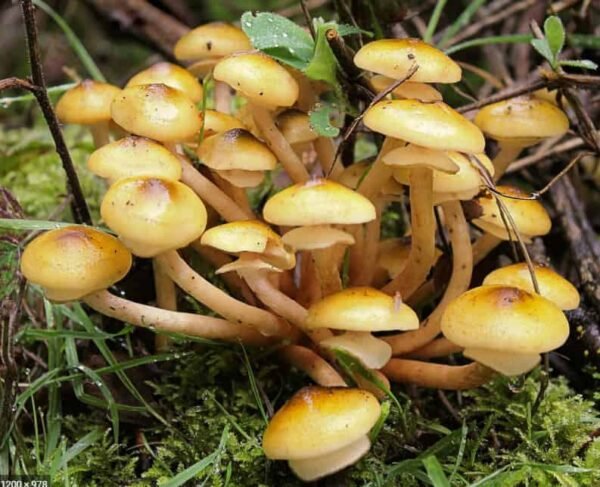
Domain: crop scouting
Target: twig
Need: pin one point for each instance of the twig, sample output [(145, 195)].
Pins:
[(574, 143), (81, 212), (506, 94)]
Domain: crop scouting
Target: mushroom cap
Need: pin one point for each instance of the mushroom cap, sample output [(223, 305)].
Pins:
[(318, 202), (505, 319), (373, 352), (432, 125), (134, 156), (170, 75), (74, 261), (523, 120), (553, 286), (157, 111), (407, 90), (215, 39), (530, 217), (88, 103), (295, 126), (216, 122), (241, 178), (259, 78), (152, 215), (395, 57), (315, 237), (236, 149), (240, 236), (361, 309), (412, 155), (318, 420)]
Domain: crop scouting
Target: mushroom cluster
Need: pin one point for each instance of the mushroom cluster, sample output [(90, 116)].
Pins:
[(307, 270)]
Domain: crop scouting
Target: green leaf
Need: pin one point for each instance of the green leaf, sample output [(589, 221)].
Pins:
[(323, 65), (554, 32), (484, 41), (278, 37), (579, 63), (385, 412), (462, 20), (584, 40), (542, 47), (435, 472), (344, 30), (320, 120)]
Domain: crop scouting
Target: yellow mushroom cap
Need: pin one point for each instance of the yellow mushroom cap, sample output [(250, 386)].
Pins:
[(295, 127), (75, 261), (134, 156), (552, 285), (216, 39), (153, 215), (522, 120), (318, 420), (241, 236), (88, 103), (408, 90), (315, 237), (318, 202), (529, 216), (505, 319), (361, 309), (259, 78), (433, 125), (412, 155), (395, 57), (170, 75), (236, 149), (216, 122), (157, 111)]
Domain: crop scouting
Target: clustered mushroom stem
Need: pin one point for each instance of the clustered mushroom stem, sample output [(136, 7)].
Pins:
[(437, 376), (484, 245), (238, 195), (222, 97), (379, 173), (221, 302), (313, 365), (363, 263), (508, 153), (172, 321), (100, 134), (327, 271), (325, 149), (460, 279), (211, 194), (166, 298), (441, 347), (278, 144), (422, 249)]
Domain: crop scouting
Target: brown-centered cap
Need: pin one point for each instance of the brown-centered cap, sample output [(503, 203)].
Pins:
[(88, 103), (529, 216), (157, 111), (395, 57), (134, 156), (522, 121), (213, 40), (152, 215), (318, 202), (216, 122), (72, 262), (407, 90), (295, 127), (259, 78), (361, 309), (170, 75), (236, 149), (433, 125), (552, 285)]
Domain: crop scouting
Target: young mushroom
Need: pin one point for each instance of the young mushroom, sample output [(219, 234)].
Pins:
[(89, 104), (171, 75), (320, 431)]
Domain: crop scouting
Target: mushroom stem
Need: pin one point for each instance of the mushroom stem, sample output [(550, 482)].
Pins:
[(278, 144), (379, 173), (232, 309), (166, 298), (440, 347), (508, 153), (238, 195), (484, 245), (222, 97), (173, 321), (462, 268), (422, 249), (327, 271), (317, 368), (363, 261), (211, 194), (100, 134), (325, 149), (438, 376)]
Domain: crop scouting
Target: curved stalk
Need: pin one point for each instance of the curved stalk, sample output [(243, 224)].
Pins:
[(363, 262), (422, 249), (173, 321), (230, 308), (238, 195), (484, 245), (438, 376), (166, 298), (508, 153), (317, 368), (327, 271), (379, 173), (325, 149), (100, 134), (440, 347), (222, 97), (462, 269)]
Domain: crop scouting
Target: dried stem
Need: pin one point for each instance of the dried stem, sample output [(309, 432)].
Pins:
[(317, 368)]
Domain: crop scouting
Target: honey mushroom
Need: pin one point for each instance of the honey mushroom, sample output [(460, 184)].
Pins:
[(295, 127), (170, 75), (89, 104)]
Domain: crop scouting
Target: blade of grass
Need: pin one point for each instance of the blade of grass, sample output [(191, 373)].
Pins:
[(84, 443), (483, 41), (19, 224), (41, 334), (435, 471), (434, 19), (73, 40), (461, 21), (55, 360), (9, 100), (253, 385)]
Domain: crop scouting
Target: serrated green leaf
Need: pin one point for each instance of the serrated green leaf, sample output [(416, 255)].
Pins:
[(542, 47), (323, 65), (278, 37), (554, 32), (579, 63), (320, 120), (435, 472)]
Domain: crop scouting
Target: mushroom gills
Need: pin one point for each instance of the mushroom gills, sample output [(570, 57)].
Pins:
[(315, 237), (507, 363), (310, 469), (373, 352)]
